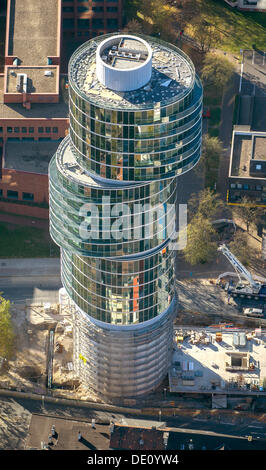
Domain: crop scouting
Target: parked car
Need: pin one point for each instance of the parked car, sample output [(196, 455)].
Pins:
[(206, 113), (253, 312)]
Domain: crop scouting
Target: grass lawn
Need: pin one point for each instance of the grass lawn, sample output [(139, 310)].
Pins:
[(213, 131), (239, 29), (215, 116), (25, 242)]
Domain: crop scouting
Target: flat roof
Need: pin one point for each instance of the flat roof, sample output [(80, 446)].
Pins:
[(32, 157), (37, 81), (246, 148), (259, 152), (33, 30), (173, 75), (67, 434), (125, 53), (37, 110), (199, 367)]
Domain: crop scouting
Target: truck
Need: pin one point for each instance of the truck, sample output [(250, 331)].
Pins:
[(251, 289)]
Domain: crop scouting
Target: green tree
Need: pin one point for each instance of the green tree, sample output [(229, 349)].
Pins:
[(201, 246), (216, 70), (239, 247), (134, 26), (6, 329), (211, 152), (248, 213), (205, 34), (206, 204)]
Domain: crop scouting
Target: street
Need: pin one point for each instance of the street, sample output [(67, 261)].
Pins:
[(219, 423)]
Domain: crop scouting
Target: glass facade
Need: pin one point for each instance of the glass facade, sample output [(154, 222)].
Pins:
[(120, 292), (138, 145), (112, 211)]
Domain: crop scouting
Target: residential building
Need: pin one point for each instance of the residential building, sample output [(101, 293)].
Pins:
[(135, 125)]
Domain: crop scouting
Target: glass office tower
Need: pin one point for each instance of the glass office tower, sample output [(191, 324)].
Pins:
[(135, 125)]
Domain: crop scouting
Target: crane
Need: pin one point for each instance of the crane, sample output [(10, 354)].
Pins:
[(239, 268)]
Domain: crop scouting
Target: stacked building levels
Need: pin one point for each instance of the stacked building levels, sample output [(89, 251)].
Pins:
[(135, 124)]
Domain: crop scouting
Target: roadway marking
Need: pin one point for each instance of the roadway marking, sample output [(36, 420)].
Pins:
[(256, 427)]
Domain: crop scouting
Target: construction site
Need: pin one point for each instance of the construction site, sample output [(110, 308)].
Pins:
[(219, 360)]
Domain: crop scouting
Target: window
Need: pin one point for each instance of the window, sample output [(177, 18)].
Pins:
[(112, 23), (97, 9), (48, 130), (40, 130), (16, 129), (68, 23), (239, 186), (68, 9), (83, 8), (27, 196), (258, 167), (111, 9), (83, 23), (31, 130), (24, 130), (97, 23), (1, 192), (1, 129), (258, 187), (55, 130), (12, 194), (232, 186), (9, 129), (245, 186)]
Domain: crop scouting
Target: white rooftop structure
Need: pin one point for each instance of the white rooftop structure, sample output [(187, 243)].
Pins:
[(124, 63)]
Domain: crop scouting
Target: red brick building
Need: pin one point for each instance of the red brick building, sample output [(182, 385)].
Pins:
[(33, 95), (33, 104), (84, 19)]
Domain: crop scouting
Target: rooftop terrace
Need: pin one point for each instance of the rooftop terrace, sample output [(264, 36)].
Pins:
[(173, 75)]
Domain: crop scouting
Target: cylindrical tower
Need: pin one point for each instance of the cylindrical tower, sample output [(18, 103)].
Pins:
[(135, 124)]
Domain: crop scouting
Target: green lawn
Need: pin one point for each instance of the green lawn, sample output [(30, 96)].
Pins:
[(239, 29), (25, 242)]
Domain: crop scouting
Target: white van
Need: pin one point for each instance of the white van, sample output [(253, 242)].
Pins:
[(253, 312)]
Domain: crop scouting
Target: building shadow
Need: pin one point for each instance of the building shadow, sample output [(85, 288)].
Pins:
[(87, 444)]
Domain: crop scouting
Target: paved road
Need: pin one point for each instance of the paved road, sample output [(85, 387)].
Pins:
[(30, 278), (185, 423), (37, 288)]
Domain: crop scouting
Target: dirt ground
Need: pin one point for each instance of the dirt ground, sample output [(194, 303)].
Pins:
[(14, 425)]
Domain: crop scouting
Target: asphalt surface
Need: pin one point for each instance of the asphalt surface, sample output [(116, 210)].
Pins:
[(186, 424), (18, 289)]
